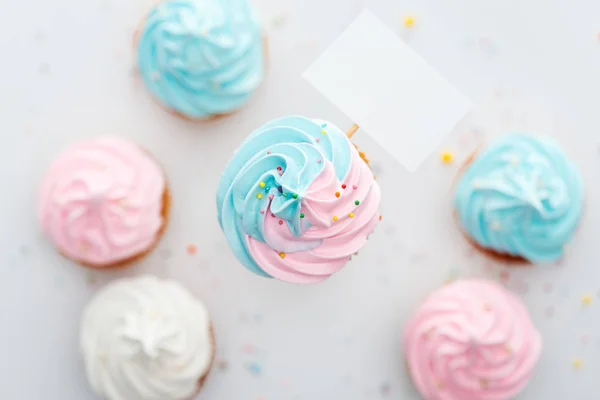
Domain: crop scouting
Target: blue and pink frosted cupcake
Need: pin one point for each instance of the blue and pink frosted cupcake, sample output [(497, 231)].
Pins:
[(201, 58), (296, 201), (520, 198)]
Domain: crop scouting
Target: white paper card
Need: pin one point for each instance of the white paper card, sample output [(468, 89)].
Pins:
[(388, 90)]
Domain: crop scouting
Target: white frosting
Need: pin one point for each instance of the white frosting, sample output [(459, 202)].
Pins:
[(146, 339)]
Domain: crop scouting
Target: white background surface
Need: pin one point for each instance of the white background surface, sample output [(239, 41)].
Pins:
[(66, 74)]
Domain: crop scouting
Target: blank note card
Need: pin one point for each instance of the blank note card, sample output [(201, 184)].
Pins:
[(387, 89)]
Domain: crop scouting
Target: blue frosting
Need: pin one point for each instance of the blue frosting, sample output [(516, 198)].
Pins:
[(201, 57), (288, 142), (521, 196)]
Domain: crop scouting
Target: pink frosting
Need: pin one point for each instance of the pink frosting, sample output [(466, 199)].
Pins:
[(101, 201), (471, 340), (330, 243)]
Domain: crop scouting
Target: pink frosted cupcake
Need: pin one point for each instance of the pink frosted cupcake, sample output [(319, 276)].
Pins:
[(104, 203), (471, 340)]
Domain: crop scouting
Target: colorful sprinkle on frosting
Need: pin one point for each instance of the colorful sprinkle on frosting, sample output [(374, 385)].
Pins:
[(315, 247)]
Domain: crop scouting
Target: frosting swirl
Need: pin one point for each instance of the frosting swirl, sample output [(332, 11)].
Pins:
[(101, 201), (296, 200), (471, 340), (201, 57), (521, 196), (146, 339)]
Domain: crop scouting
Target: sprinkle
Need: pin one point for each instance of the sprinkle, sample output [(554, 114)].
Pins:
[(262, 211), (294, 196), (267, 189), (317, 140), (577, 363), (351, 215), (484, 383), (284, 194), (271, 197), (357, 202), (272, 215), (222, 365), (409, 22), (384, 389), (323, 132), (268, 152), (324, 125), (586, 300), (447, 157), (381, 216), (354, 187), (337, 194), (301, 215), (278, 21), (585, 338), (254, 368), (282, 255), (344, 186), (279, 168), (319, 161), (259, 196), (280, 173), (262, 184), (280, 222), (192, 249), (335, 218)]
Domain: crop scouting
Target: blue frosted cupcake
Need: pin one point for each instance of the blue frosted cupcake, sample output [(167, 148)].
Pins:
[(520, 198), (201, 58)]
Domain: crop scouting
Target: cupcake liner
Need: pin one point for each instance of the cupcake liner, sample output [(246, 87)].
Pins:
[(204, 377)]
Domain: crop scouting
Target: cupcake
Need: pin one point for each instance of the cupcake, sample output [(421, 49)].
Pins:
[(471, 340), (104, 203), (520, 199), (201, 58), (146, 339), (296, 201)]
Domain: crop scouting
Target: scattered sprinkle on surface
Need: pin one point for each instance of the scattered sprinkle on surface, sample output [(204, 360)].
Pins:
[(447, 157), (409, 21), (384, 389), (586, 300), (577, 363), (254, 368), (278, 21), (192, 249), (222, 365)]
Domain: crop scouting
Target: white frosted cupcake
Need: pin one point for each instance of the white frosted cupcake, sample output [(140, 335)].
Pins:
[(146, 339)]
